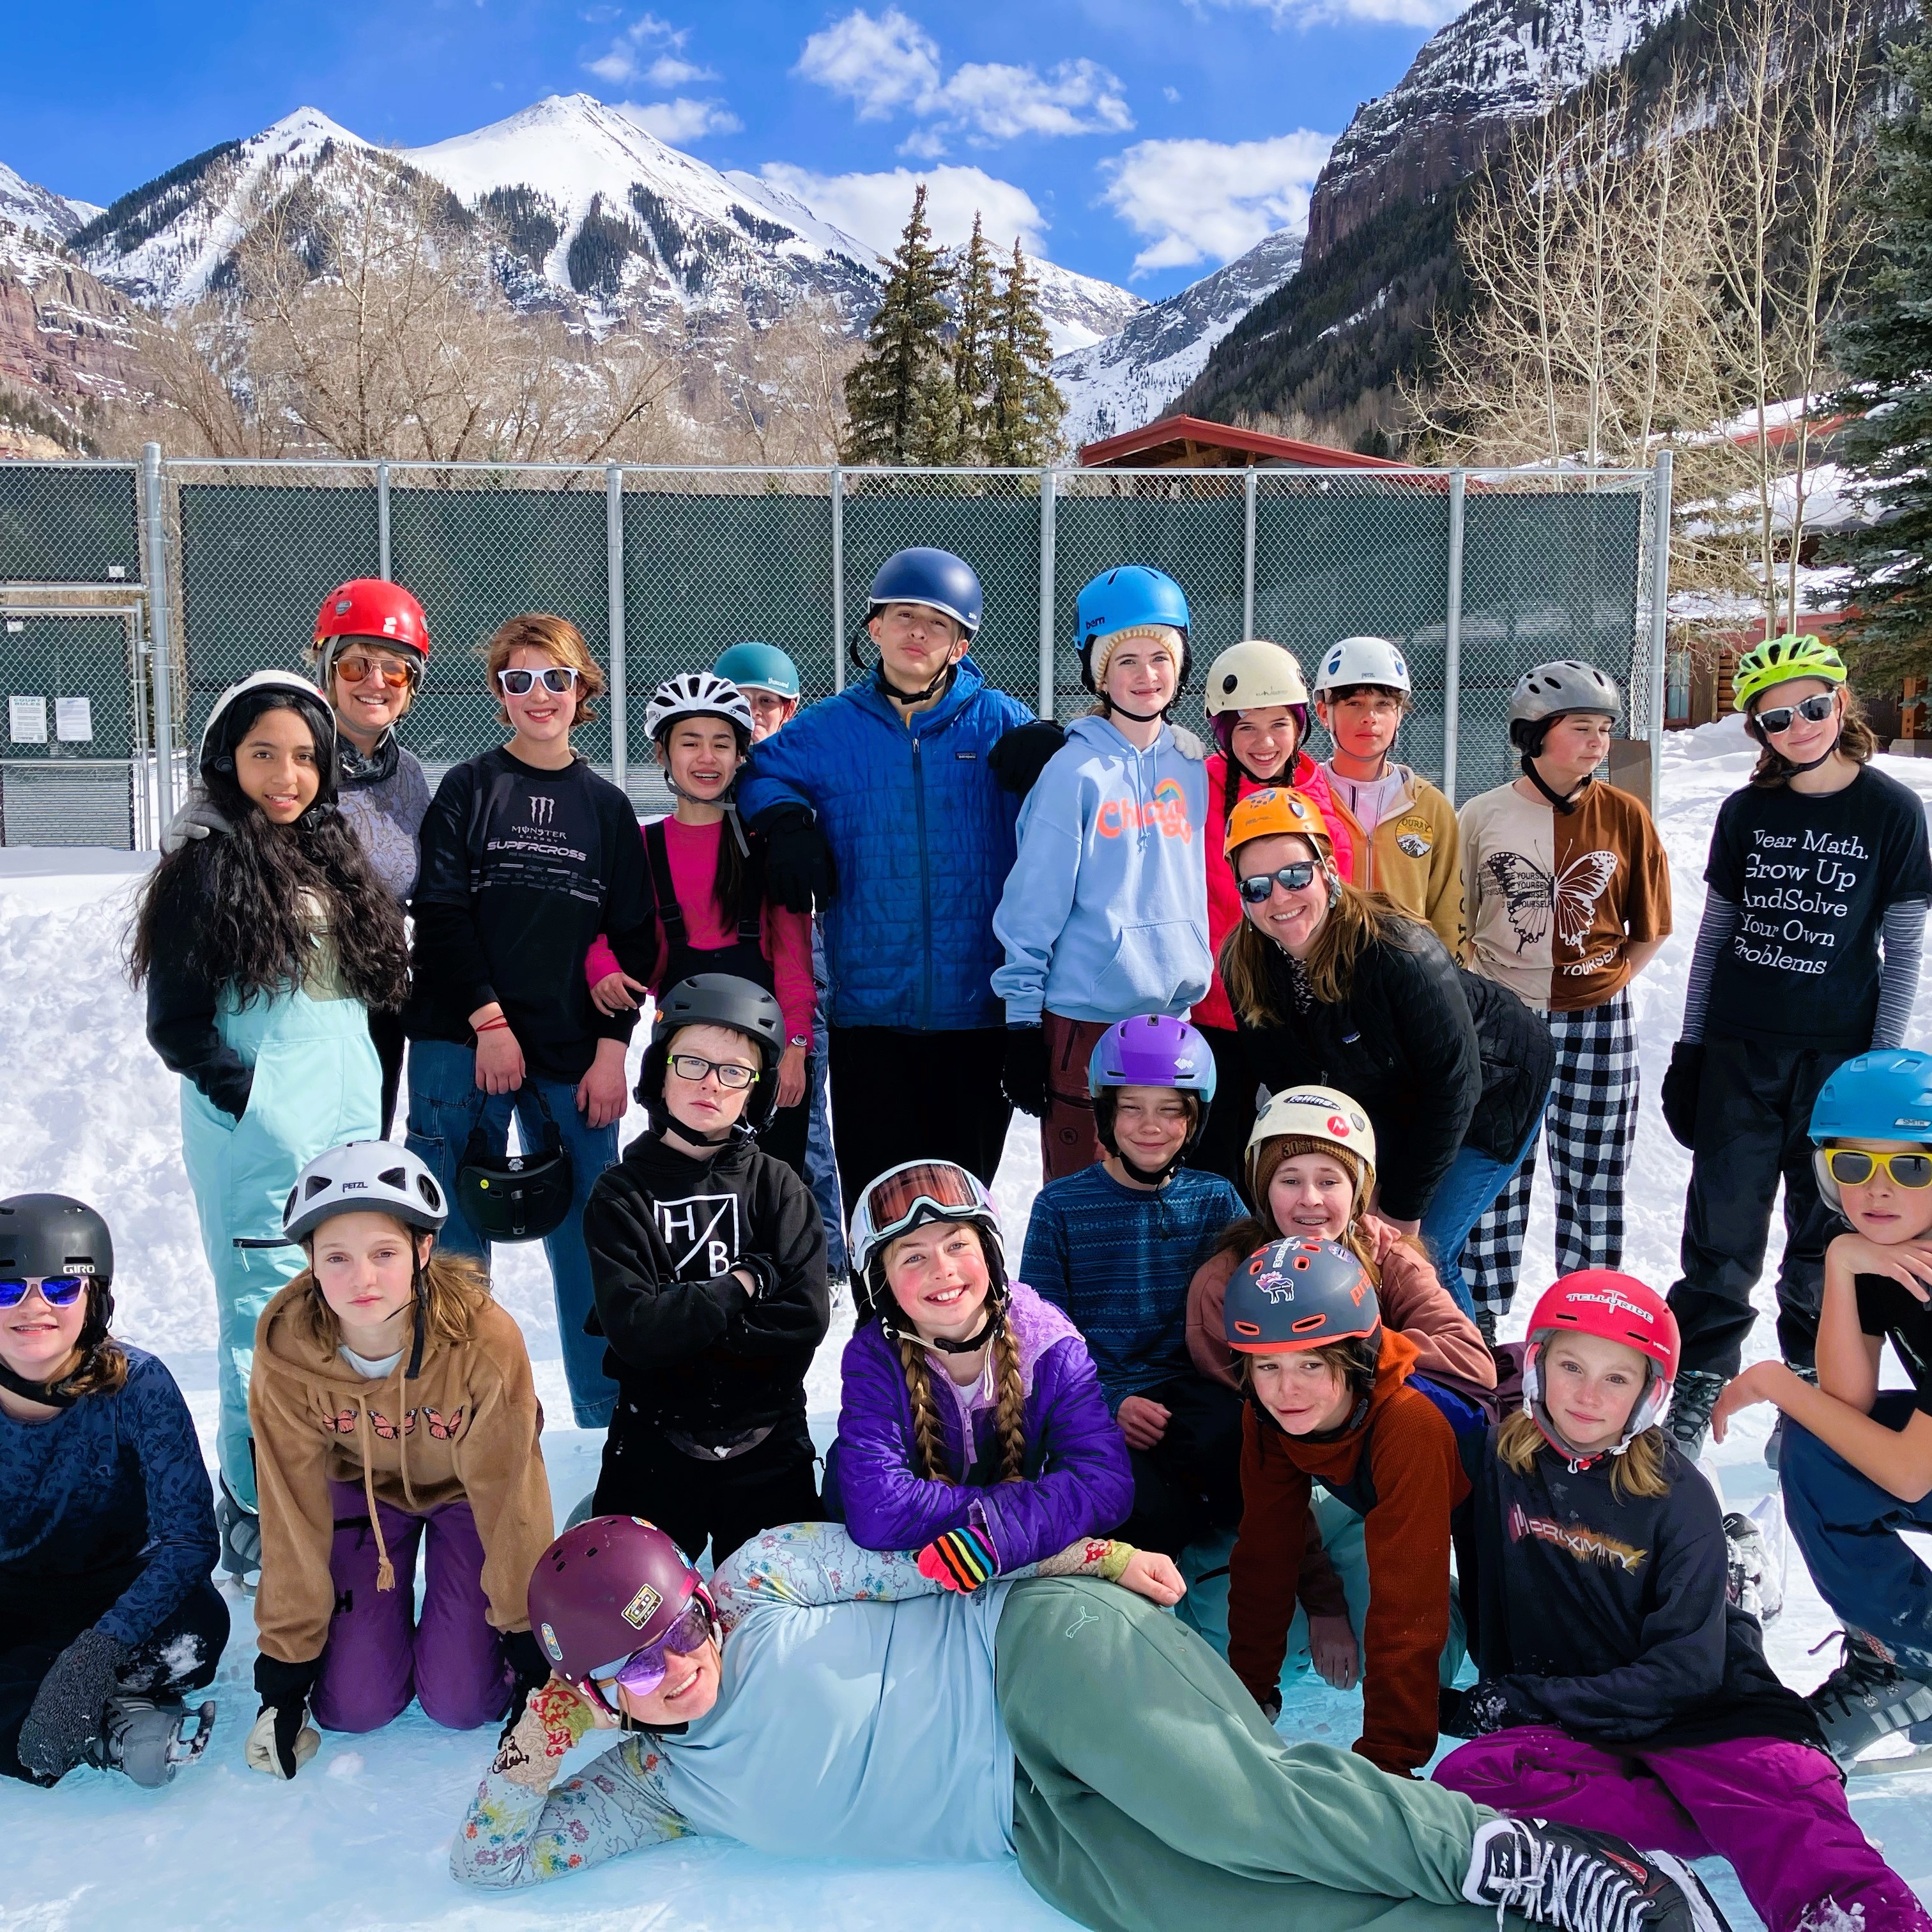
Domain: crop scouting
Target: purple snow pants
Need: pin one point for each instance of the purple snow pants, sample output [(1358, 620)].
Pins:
[(378, 1656), (1777, 1811)]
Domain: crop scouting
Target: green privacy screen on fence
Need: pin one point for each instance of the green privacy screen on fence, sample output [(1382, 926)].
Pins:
[(64, 523)]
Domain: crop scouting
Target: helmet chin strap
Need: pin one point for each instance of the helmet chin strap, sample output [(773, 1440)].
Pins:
[(1138, 717), (1811, 764), (1563, 802), (972, 1342), (942, 679), (41, 1392)]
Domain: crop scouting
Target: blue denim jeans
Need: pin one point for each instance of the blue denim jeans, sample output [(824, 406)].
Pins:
[(1463, 1198), (821, 1168), (445, 1103)]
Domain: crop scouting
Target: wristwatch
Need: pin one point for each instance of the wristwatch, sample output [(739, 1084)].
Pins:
[(798, 1040)]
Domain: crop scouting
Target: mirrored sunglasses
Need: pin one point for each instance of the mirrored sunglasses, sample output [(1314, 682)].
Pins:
[(355, 669), (1256, 887), (1814, 710), (732, 1076), (58, 1290), (1853, 1167), (643, 1670), (557, 678)]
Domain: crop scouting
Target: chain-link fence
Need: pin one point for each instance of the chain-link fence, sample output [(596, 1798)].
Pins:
[(1477, 574)]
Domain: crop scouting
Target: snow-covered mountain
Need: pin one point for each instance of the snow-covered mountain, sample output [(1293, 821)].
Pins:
[(590, 213), (1130, 377), (33, 223)]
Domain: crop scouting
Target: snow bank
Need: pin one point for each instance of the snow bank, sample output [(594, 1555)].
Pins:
[(361, 1838)]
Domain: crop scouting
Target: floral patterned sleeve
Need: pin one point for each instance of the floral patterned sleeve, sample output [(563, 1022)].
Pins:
[(513, 1835)]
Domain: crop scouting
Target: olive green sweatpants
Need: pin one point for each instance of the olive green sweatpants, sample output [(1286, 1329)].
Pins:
[(1151, 1794)]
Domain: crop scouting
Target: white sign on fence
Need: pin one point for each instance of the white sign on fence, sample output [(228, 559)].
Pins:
[(73, 720), (27, 720)]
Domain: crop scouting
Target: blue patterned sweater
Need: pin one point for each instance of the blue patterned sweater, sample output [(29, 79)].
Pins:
[(1118, 1260), (114, 1482)]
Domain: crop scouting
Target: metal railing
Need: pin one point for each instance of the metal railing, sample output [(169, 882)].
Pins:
[(215, 568)]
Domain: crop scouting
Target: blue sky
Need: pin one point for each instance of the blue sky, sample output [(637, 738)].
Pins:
[(1143, 141)]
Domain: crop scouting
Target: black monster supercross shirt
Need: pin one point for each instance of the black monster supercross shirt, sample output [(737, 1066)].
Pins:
[(521, 870), (1812, 878), (1888, 1308)]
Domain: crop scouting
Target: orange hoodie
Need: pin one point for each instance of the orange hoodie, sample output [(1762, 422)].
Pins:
[(1400, 1464), (466, 1429)]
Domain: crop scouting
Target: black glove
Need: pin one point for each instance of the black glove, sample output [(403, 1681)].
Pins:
[(1023, 1074), (1019, 757), (282, 1741), (65, 1718), (1475, 1712), (800, 868), (1271, 1706), (1680, 1091), (529, 1672)]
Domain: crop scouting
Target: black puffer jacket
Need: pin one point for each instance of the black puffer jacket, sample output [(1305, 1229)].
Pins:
[(687, 1344), (1439, 1058)]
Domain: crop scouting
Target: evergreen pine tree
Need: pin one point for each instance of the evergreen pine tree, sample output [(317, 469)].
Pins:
[(1024, 417), (899, 396), (1886, 351), (972, 351)]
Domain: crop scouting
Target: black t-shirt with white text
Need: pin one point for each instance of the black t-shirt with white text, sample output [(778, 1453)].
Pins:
[(1889, 1308), (1812, 876)]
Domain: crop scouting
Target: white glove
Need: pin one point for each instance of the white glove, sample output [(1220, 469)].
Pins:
[(261, 1751)]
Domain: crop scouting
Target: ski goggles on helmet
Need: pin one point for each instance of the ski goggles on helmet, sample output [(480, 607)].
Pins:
[(643, 1670), (905, 1197), (1814, 710), (1850, 1167), (57, 1291), (557, 679), (1258, 887)]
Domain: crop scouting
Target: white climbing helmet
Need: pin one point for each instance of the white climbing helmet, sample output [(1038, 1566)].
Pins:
[(1317, 1114), (365, 1177), (1253, 674), (1362, 661), (1549, 690), (699, 694)]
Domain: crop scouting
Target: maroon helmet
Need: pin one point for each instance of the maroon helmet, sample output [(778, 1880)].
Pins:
[(609, 1598)]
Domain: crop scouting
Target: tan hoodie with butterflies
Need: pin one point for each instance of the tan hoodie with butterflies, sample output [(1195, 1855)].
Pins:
[(464, 1428)]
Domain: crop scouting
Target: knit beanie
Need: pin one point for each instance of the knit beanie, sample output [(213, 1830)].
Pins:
[(1166, 635)]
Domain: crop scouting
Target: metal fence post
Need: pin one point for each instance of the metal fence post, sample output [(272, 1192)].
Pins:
[(383, 521), (838, 578), (1049, 491), (1452, 638), (1248, 555), (158, 628), (613, 566), (1660, 619)]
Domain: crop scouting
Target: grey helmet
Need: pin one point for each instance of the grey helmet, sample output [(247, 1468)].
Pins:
[(1547, 691), (365, 1177)]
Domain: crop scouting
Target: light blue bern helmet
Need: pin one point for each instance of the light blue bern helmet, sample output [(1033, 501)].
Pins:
[(1885, 1096)]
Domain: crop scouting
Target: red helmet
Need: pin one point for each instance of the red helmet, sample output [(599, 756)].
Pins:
[(373, 607), (1618, 1308), (606, 1590)]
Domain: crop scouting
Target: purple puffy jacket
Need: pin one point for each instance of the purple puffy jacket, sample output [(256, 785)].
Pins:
[(1078, 1482)]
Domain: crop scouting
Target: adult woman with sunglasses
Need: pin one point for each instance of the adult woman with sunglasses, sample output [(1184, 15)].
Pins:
[(1334, 987), (106, 1519), (527, 855), (1818, 879), (371, 650)]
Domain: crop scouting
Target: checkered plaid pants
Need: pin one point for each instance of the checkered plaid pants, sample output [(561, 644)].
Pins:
[(1589, 1127)]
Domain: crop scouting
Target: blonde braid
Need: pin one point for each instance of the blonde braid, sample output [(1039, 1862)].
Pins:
[(1009, 1418), (925, 1416)]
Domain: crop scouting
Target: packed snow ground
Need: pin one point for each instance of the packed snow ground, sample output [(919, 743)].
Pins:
[(361, 1837)]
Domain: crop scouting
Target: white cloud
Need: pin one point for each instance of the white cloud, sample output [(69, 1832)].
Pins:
[(673, 71), (682, 119), (1382, 13), (1193, 199), (890, 64), (628, 57), (873, 207)]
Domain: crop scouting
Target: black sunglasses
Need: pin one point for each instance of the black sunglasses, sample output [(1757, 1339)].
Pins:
[(1256, 887), (1814, 710)]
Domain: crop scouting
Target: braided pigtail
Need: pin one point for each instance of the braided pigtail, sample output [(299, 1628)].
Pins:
[(1009, 1418), (925, 1416)]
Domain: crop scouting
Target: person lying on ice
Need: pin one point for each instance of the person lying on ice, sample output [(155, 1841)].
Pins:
[(821, 1700)]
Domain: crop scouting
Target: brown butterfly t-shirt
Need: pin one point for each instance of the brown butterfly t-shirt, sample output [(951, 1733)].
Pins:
[(1556, 898)]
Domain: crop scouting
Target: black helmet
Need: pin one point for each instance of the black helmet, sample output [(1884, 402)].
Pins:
[(717, 999), (1299, 1293), (516, 1197), (43, 1234)]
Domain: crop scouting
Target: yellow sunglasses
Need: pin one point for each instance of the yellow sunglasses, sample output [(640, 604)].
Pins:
[(1853, 1167)]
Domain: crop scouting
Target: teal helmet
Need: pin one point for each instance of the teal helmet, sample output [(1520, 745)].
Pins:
[(760, 667)]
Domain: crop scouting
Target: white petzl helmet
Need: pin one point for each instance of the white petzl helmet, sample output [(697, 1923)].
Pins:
[(1253, 674), (1549, 690), (1361, 661), (365, 1177), (698, 693), (291, 682), (1318, 1114)]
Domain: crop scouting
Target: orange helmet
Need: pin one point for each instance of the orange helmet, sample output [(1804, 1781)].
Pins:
[(1279, 812)]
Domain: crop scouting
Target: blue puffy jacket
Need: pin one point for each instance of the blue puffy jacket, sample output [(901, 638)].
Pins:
[(923, 836)]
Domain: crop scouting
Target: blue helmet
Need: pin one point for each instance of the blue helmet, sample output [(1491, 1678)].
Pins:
[(1119, 599), (1885, 1096), (760, 667), (933, 577)]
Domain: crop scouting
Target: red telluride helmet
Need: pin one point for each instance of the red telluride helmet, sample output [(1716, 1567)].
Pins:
[(1618, 1308), (606, 1590), (373, 607)]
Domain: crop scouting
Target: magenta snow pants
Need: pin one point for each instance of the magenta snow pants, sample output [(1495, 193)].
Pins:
[(379, 1654), (1777, 1811)]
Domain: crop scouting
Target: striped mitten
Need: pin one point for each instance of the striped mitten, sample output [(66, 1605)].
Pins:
[(961, 1559)]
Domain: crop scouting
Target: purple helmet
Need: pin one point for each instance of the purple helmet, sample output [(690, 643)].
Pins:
[(1150, 1050), (606, 1590)]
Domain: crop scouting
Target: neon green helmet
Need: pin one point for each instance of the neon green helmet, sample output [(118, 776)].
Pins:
[(1778, 659)]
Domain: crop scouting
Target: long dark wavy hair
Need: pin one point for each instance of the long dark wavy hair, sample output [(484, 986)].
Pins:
[(237, 907)]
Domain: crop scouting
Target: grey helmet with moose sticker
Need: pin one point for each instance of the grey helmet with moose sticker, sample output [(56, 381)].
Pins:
[(1299, 1293)]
